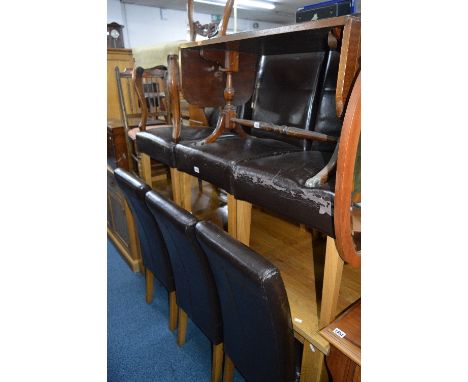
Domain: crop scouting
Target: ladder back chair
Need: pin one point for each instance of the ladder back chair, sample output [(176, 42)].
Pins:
[(132, 110)]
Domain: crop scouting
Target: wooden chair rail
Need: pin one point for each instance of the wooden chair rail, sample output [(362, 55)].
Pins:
[(286, 130)]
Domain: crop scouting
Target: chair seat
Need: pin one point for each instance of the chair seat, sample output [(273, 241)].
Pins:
[(133, 132), (278, 185), (158, 143), (214, 162)]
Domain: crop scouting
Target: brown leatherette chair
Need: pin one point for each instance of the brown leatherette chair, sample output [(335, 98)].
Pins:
[(152, 246), (285, 93), (257, 326), (197, 296)]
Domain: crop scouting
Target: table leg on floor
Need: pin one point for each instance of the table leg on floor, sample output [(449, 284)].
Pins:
[(331, 283)]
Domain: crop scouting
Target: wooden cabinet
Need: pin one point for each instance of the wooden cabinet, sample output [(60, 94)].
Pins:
[(122, 58), (120, 224), (117, 153)]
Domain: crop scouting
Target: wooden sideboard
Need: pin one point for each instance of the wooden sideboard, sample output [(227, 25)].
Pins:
[(122, 58)]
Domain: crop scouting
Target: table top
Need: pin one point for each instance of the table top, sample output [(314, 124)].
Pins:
[(287, 29)]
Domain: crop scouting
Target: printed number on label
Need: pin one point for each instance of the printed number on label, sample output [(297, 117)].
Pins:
[(339, 332), (196, 169)]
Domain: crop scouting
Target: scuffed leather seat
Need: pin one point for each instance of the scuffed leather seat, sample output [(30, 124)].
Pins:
[(277, 183), (197, 296), (258, 331), (152, 247), (285, 94), (159, 145)]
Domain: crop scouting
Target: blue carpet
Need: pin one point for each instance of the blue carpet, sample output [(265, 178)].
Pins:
[(140, 346)]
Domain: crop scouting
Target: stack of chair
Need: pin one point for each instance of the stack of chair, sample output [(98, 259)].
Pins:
[(235, 296)]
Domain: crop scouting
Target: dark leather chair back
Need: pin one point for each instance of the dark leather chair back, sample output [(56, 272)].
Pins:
[(195, 286), (327, 121), (258, 332), (286, 92), (152, 246)]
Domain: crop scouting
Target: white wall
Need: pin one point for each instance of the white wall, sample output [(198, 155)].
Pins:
[(144, 25)]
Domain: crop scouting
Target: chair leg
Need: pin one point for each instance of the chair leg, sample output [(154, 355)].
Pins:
[(186, 191), (228, 369), (149, 286), (145, 169), (217, 365), (331, 283), (172, 311), (182, 327), (244, 218), (175, 180), (232, 215)]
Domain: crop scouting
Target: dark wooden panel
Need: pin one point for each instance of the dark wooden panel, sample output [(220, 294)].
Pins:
[(117, 155), (203, 83)]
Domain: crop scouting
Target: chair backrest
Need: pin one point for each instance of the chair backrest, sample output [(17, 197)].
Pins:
[(298, 90), (151, 89), (152, 246), (326, 120), (286, 92), (258, 332), (130, 110), (196, 288)]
